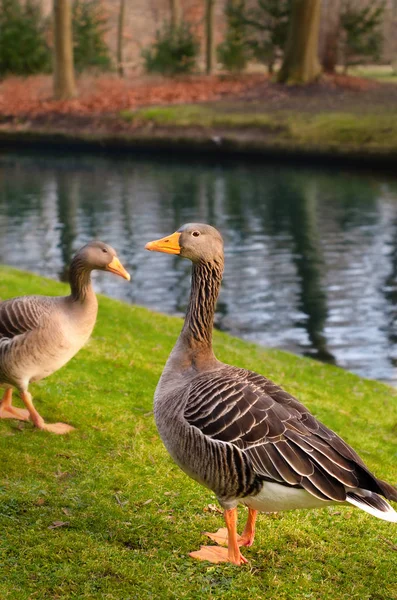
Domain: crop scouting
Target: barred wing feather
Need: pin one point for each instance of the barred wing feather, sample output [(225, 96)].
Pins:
[(282, 441), (22, 314)]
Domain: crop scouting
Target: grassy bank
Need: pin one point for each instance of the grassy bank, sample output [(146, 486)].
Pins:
[(104, 513), (340, 132), (339, 118), (222, 129)]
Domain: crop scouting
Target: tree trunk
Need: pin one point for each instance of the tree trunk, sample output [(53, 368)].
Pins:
[(329, 34), (175, 9), (209, 36), (120, 67), (301, 64), (64, 85)]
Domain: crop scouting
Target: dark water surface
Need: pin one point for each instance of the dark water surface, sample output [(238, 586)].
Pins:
[(311, 254)]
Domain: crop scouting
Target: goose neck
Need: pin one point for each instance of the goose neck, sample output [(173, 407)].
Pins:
[(80, 280), (206, 281)]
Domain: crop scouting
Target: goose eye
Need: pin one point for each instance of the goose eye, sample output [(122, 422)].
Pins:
[(195, 233), (104, 250)]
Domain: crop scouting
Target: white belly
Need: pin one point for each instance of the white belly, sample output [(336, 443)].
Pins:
[(274, 497)]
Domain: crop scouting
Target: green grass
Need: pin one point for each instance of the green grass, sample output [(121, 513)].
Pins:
[(193, 115), (382, 73), (132, 516), (331, 131)]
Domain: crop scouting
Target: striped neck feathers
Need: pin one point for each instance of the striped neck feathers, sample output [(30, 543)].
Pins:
[(199, 321), (79, 279)]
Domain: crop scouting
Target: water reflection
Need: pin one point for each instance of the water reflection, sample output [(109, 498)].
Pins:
[(311, 255), (293, 209)]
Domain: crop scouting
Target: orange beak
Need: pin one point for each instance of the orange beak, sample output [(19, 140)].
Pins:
[(168, 244), (116, 267)]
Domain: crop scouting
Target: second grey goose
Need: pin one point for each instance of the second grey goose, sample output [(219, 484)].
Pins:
[(40, 334), (240, 434)]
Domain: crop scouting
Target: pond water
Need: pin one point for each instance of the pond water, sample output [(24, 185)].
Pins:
[(311, 254)]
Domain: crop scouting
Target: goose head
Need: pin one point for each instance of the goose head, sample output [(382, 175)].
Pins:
[(199, 242), (100, 256)]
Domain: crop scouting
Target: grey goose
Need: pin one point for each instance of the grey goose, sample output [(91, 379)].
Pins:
[(238, 433), (40, 334)]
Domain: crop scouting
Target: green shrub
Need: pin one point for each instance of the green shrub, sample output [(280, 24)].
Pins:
[(362, 36), (89, 29), (233, 52), (174, 51), (23, 46), (265, 26)]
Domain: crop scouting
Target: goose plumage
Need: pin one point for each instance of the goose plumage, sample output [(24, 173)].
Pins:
[(238, 433), (40, 334)]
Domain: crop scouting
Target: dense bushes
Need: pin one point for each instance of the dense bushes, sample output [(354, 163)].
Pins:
[(174, 51), (23, 45), (89, 30), (361, 32), (257, 31), (25, 35), (233, 52)]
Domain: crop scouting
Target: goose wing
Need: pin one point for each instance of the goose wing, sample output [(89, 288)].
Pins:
[(281, 439), (22, 314)]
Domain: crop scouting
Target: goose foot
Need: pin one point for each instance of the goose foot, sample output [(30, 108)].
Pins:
[(8, 411), (228, 536), (11, 412), (216, 555), (58, 428), (220, 537), (246, 539), (38, 421)]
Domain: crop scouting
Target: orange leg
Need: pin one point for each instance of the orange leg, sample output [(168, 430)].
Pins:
[(232, 554), (249, 530), (39, 422), (8, 411), (247, 539), (233, 550)]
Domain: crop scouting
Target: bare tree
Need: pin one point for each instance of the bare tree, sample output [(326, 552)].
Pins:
[(329, 34), (120, 30), (175, 10), (301, 64), (209, 36), (64, 84)]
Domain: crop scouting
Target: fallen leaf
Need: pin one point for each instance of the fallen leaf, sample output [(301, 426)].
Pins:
[(388, 542), (56, 524), (119, 502), (61, 474), (213, 508)]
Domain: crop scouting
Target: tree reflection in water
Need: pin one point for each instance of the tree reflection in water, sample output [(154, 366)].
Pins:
[(311, 258)]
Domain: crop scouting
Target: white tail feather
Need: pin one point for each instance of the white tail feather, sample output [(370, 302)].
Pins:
[(368, 501)]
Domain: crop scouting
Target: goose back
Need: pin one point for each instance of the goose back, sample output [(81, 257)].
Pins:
[(40, 334)]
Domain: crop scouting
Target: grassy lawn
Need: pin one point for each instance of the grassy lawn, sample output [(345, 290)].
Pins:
[(382, 73), (104, 513)]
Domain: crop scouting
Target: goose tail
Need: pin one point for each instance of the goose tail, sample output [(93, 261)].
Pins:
[(373, 504)]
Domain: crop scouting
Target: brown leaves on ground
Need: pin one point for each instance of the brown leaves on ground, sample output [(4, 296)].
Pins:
[(358, 84), (109, 94)]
